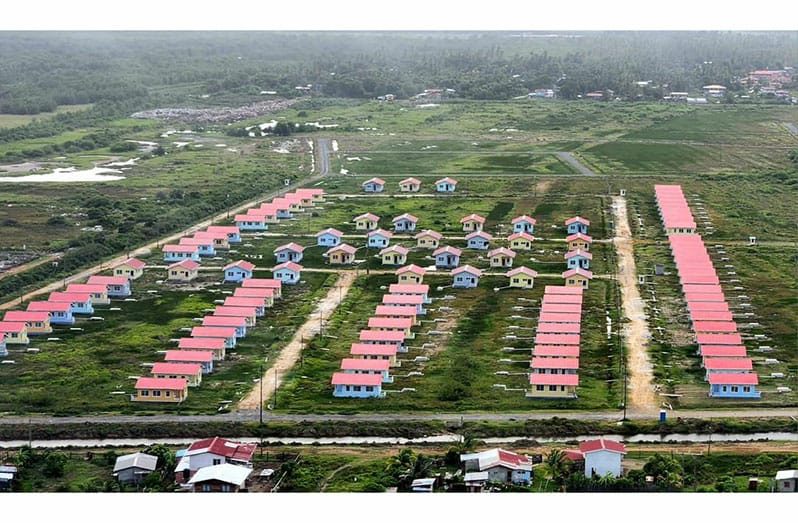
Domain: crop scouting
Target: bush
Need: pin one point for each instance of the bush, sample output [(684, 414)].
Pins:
[(54, 464)]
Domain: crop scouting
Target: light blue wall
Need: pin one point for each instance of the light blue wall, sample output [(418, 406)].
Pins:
[(523, 227), (328, 240), (464, 280), (287, 255), (447, 260), (577, 227), (81, 308), (287, 277), (716, 391), (59, 318), (251, 226), (478, 243), (341, 392), (236, 275)]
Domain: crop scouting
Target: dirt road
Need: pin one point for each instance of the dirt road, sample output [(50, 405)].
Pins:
[(291, 353), (145, 249), (30, 265), (574, 162), (641, 396)]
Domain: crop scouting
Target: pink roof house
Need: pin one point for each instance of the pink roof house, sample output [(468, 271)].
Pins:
[(577, 278), (412, 274), (524, 223), (472, 222), (131, 269), (579, 241), (238, 271), (577, 224), (410, 185)]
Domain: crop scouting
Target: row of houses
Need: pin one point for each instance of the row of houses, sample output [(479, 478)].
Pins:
[(729, 370), (208, 342), (555, 356), (63, 307), (377, 185), (282, 208)]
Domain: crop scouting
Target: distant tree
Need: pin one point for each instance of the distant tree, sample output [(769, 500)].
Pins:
[(54, 464)]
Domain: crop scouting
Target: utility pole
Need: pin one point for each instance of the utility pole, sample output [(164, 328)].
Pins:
[(260, 403)]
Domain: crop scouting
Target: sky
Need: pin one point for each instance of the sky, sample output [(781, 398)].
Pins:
[(339, 15)]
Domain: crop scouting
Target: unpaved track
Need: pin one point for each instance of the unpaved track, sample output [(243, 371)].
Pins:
[(291, 353), (641, 394), (574, 162)]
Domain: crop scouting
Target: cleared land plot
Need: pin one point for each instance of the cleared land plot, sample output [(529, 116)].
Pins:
[(453, 163)]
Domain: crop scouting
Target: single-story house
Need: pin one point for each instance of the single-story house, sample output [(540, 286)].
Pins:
[(268, 213), (329, 237), (37, 322), (220, 241), (373, 185), (251, 222), (204, 245), (173, 253), (524, 223), (98, 294), (446, 185), (466, 277), (394, 255), (289, 273), (577, 278), (220, 478), (447, 257), (264, 283), (379, 238), (579, 241), (131, 469), (232, 232), (578, 259), (403, 300), (472, 222), (226, 333), (60, 313), (118, 286), (239, 323), (370, 351), (733, 385), (80, 302), (238, 271), (410, 289), (411, 274), (521, 241), (602, 457), (183, 271), (410, 185), (478, 240), (315, 193), (250, 314), (204, 358), (397, 311), (210, 452), (378, 337), (363, 366), (501, 465), (366, 222), (522, 277), (289, 252), (577, 224), (552, 385), (131, 269), (191, 372), (501, 257), (404, 223), (428, 239), (786, 481), (259, 303), (349, 385), (161, 390), (343, 254), (16, 332), (216, 346), (403, 325)]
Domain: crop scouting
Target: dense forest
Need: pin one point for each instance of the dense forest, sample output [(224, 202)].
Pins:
[(40, 71)]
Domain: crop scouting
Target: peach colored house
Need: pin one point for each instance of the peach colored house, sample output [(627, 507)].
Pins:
[(343, 254), (191, 372), (501, 257), (411, 274), (577, 278), (366, 222), (521, 241), (472, 223), (36, 322), (522, 278), (130, 269), (182, 271), (579, 241), (394, 255), (428, 239), (410, 185), (161, 390)]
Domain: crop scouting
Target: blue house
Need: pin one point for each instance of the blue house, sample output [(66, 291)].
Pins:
[(578, 259), (447, 257), (204, 246), (404, 223), (445, 185), (379, 238), (79, 302), (249, 222), (373, 185), (524, 224), (577, 224), (118, 286), (289, 252), (733, 385), (176, 253), (466, 277), (329, 238), (238, 271), (346, 385), (288, 273), (284, 213), (478, 240), (232, 232), (3, 349), (60, 312)]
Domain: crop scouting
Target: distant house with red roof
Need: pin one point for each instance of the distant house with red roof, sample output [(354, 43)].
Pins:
[(579, 241), (379, 238), (16, 332), (183, 271), (204, 244), (552, 385), (522, 277), (366, 222), (373, 185), (577, 224), (228, 334), (232, 232), (237, 322), (173, 253), (98, 294), (343, 254), (411, 274), (238, 271), (479, 240), (410, 185), (274, 284), (351, 385), (363, 366), (329, 237), (161, 390), (244, 301), (577, 278), (602, 457), (501, 466), (446, 185), (521, 241), (213, 451), (79, 302), (733, 385), (578, 259), (447, 257), (251, 222), (204, 358), (131, 269), (216, 346), (118, 286), (289, 273), (191, 372), (472, 222), (428, 239), (60, 313), (466, 277), (524, 223), (219, 239), (370, 351), (37, 322), (394, 255)]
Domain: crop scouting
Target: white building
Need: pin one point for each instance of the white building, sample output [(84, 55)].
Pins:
[(602, 457), (501, 465)]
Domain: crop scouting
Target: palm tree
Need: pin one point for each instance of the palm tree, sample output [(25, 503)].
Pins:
[(558, 467)]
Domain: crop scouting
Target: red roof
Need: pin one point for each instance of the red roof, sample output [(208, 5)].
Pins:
[(578, 236), (180, 248), (596, 445), (213, 332), (561, 289), (224, 447), (198, 356), (571, 380), (562, 298), (542, 362), (524, 218), (49, 306), (479, 234), (202, 343), (253, 292), (410, 181), (382, 336), (12, 326), (711, 315), (467, 269), (707, 306), (238, 312), (403, 299), (577, 219), (362, 364), (502, 251), (227, 229), (133, 262), (704, 338), (447, 180), (578, 272), (289, 266), (559, 317), (559, 328), (265, 283), (241, 264), (408, 288), (714, 326), (733, 378), (472, 218), (196, 241), (563, 351), (722, 351), (428, 232), (447, 249), (161, 383), (242, 301), (402, 251), (348, 249), (561, 307), (345, 378), (71, 297), (371, 349), (405, 216), (223, 321), (522, 270), (177, 368), (108, 280), (334, 232), (701, 288), (392, 310), (557, 339), (189, 265), (728, 364), (580, 253), (380, 232), (378, 181), (26, 316), (381, 322), (251, 216), (86, 287), (523, 235), (368, 217), (211, 234)]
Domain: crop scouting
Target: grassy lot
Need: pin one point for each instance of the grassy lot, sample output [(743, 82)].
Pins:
[(464, 356), (424, 162), (15, 120), (77, 374)]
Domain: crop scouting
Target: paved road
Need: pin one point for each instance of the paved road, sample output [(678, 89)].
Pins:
[(324, 164), (323, 147), (571, 160)]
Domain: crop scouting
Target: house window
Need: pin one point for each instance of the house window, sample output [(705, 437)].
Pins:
[(746, 389), (144, 393), (226, 488), (357, 388), (168, 393), (369, 389), (217, 461), (156, 393), (735, 388), (724, 388), (552, 388), (206, 487), (538, 387)]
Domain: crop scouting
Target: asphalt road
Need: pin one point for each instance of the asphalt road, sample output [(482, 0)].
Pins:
[(571, 160)]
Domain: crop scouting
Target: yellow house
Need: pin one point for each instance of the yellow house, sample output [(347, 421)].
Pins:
[(266, 211), (130, 269), (522, 278), (191, 372), (161, 390), (367, 222), (428, 239), (220, 240), (410, 185), (521, 241), (577, 278), (182, 271), (343, 254), (16, 332), (579, 241), (394, 255), (97, 292), (472, 223), (36, 322), (501, 257), (552, 385), (411, 274)]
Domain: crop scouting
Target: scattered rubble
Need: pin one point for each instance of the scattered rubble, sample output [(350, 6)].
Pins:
[(216, 114)]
